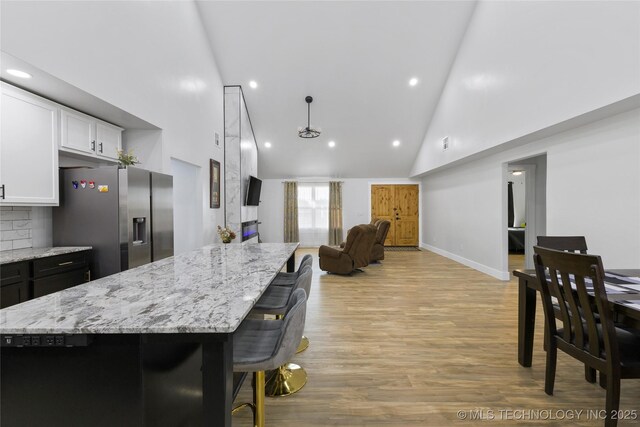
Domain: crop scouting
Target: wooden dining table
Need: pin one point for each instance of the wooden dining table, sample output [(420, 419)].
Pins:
[(623, 292)]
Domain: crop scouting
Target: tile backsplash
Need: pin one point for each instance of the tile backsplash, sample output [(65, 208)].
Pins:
[(16, 227)]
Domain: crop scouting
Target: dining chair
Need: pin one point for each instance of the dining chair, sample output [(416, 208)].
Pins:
[(575, 244), (564, 243), (599, 344), (261, 345)]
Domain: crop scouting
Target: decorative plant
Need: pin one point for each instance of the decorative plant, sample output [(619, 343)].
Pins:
[(226, 235), (127, 159)]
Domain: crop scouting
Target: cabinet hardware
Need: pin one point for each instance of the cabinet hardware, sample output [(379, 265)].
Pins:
[(2, 188), (100, 147), (93, 146), (65, 263), (87, 276)]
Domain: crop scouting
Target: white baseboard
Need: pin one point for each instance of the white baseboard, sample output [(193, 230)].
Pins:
[(500, 275)]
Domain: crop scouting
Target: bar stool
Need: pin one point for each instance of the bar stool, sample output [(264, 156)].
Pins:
[(288, 378), (289, 279), (261, 345)]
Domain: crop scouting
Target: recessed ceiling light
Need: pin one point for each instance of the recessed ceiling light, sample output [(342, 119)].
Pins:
[(253, 84), (413, 81), (18, 73), (332, 144), (267, 144), (396, 143)]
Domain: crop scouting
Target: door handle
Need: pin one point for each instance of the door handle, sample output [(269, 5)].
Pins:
[(93, 146), (65, 263), (100, 145)]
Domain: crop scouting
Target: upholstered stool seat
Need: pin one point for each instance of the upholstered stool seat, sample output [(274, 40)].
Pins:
[(288, 378), (260, 345), (289, 279), (274, 300)]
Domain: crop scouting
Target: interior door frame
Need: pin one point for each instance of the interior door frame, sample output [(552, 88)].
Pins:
[(400, 181), (530, 231)]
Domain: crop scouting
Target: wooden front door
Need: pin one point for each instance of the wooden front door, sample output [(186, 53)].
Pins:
[(399, 205), (382, 203)]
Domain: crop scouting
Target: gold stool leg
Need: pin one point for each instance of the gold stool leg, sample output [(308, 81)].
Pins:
[(258, 398), (304, 344), (285, 380)]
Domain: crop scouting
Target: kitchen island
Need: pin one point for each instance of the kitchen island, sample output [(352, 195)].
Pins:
[(149, 346)]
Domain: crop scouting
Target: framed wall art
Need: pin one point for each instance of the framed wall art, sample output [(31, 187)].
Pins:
[(215, 186)]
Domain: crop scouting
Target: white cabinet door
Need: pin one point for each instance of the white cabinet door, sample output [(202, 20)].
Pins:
[(77, 132), (109, 140), (28, 149)]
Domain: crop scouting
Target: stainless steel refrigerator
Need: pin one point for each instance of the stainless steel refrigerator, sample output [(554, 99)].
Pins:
[(125, 214)]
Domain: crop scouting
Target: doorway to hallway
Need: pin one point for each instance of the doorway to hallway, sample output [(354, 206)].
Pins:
[(525, 216)]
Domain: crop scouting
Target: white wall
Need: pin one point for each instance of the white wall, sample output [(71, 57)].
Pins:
[(356, 203), (592, 189), (271, 211), (186, 221), (151, 59), (527, 65)]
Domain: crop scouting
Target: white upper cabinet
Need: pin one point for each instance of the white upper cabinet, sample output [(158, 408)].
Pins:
[(28, 149), (108, 140), (77, 132), (83, 134)]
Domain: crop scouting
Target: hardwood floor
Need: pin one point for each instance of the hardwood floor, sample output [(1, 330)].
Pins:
[(516, 262), (416, 339)]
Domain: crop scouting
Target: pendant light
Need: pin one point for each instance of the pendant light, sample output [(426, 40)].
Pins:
[(308, 132)]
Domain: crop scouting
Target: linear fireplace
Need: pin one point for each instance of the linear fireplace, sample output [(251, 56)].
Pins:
[(249, 230)]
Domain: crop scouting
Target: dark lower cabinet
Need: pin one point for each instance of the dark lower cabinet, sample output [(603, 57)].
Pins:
[(58, 282), (14, 283), (22, 281)]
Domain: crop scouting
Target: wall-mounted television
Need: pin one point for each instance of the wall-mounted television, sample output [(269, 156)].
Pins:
[(253, 191)]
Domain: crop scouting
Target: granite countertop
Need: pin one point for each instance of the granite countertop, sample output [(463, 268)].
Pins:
[(209, 290), (16, 255)]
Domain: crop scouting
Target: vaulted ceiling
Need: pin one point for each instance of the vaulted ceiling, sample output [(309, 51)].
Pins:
[(356, 60)]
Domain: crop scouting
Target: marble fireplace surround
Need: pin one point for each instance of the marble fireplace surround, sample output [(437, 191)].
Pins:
[(241, 159)]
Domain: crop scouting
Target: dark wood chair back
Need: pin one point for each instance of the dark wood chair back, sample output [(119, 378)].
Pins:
[(564, 243), (567, 276), (588, 332)]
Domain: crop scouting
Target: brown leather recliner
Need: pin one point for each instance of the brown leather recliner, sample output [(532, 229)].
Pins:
[(355, 254), (377, 251), (374, 221)]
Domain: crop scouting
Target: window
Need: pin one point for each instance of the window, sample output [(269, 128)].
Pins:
[(313, 213)]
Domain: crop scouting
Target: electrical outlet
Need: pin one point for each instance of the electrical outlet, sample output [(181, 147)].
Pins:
[(445, 143)]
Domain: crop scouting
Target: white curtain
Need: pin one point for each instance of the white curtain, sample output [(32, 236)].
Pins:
[(313, 213)]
